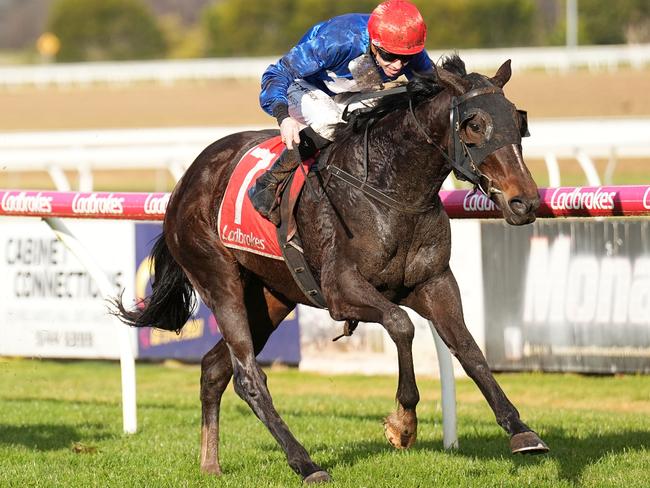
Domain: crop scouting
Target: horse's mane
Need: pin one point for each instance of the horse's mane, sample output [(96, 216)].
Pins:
[(420, 88)]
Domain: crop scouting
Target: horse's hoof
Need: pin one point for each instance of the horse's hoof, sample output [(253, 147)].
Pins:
[(527, 443), (317, 477), (400, 430), (213, 469)]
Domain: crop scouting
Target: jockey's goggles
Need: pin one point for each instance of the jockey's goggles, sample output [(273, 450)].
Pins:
[(392, 57)]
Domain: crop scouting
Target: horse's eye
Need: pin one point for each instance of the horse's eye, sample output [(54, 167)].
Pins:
[(474, 127)]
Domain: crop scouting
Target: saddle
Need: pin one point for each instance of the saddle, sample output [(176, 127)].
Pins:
[(241, 227)]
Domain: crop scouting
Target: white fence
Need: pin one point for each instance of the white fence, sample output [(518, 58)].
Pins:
[(174, 149), (170, 71), (586, 140), (88, 150)]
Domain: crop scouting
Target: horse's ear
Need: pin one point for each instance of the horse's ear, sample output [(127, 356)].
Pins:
[(450, 80), (503, 75)]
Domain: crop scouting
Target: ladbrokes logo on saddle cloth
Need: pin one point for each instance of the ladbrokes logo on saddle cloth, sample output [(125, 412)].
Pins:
[(240, 226)]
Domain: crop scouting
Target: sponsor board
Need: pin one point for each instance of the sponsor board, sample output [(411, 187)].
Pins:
[(572, 295), (87, 205), (478, 202), (595, 201), (201, 332), (49, 304)]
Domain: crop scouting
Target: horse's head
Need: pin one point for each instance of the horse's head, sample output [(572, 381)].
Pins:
[(486, 137)]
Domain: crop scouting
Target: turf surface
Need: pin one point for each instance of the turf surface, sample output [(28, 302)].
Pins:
[(60, 425)]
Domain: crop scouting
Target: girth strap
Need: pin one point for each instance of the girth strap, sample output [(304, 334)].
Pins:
[(293, 254)]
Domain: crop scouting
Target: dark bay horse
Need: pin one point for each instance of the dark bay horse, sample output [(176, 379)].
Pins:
[(369, 255)]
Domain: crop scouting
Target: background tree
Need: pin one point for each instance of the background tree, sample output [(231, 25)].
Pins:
[(479, 23), (638, 26), (95, 30), (605, 22), (182, 40), (240, 27), (131, 29)]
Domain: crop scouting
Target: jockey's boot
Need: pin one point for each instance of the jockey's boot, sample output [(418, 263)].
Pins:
[(265, 194)]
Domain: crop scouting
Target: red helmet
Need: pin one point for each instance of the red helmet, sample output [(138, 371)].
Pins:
[(397, 26)]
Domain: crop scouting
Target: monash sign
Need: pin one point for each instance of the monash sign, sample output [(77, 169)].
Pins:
[(571, 295)]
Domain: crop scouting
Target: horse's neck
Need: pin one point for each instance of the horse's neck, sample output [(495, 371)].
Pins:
[(414, 164)]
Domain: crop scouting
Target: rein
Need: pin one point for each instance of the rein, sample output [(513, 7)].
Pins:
[(461, 159), (361, 184)]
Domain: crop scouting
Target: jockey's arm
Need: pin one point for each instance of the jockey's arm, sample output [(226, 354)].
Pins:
[(303, 60)]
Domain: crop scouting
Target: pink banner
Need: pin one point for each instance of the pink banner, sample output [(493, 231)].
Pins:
[(82, 205), (599, 201), (602, 201)]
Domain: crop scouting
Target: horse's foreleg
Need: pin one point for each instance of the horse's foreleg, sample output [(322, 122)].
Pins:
[(352, 297), (439, 301)]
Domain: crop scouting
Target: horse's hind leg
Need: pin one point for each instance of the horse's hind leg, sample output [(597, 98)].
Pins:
[(215, 274), (216, 371), (439, 301)]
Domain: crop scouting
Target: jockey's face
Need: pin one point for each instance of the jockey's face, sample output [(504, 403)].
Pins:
[(391, 64)]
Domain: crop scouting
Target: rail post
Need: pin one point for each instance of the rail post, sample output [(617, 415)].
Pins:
[(448, 392), (127, 359)]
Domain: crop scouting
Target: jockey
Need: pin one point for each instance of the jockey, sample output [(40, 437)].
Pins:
[(307, 89)]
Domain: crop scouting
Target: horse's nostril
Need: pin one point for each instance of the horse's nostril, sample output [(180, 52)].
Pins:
[(519, 206)]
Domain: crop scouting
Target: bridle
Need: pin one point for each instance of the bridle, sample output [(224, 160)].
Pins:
[(461, 156)]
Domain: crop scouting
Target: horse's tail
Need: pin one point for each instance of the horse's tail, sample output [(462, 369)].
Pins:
[(172, 299)]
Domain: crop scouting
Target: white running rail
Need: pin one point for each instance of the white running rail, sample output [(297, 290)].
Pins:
[(173, 149), (557, 58)]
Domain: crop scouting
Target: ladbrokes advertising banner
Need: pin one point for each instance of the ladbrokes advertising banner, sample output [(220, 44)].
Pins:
[(570, 295), (201, 333)]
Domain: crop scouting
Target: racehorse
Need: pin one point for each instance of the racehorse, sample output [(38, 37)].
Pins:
[(371, 252)]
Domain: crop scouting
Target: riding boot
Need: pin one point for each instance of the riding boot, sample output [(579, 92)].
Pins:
[(265, 194)]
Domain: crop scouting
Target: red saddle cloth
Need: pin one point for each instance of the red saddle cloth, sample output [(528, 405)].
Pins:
[(240, 226)]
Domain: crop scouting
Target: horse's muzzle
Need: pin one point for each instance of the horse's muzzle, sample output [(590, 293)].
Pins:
[(521, 210), (523, 206)]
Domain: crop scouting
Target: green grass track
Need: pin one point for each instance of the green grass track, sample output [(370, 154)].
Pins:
[(60, 425)]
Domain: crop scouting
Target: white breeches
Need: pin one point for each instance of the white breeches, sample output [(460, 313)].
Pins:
[(313, 107)]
